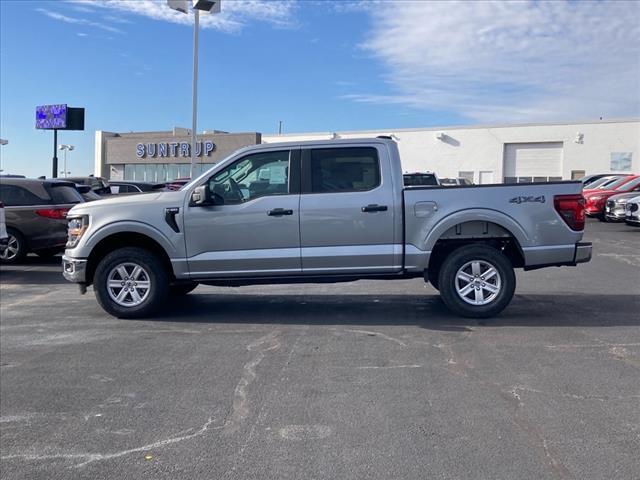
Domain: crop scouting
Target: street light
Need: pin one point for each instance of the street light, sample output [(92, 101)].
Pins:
[(66, 148), (182, 6)]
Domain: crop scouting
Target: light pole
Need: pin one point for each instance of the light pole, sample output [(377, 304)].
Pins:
[(66, 148), (210, 6)]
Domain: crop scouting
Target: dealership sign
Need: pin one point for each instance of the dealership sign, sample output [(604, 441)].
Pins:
[(174, 149)]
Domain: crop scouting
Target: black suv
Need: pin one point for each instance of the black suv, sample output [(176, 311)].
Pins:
[(36, 216)]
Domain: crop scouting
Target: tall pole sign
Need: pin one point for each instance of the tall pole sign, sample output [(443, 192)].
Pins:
[(58, 117)]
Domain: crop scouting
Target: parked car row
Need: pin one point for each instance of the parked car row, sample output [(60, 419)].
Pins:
[(607, 196)]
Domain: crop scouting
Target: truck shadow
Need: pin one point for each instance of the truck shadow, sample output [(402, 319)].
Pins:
[(426, 311)]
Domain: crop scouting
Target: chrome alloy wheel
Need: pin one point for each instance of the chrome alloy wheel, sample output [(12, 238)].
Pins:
[(128, 284), (12, 249), (478, 282)]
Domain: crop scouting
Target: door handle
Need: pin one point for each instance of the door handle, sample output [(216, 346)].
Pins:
[(374, 208), (278, 212)]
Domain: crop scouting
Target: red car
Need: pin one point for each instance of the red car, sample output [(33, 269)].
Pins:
[(596, 199), (178, 183)]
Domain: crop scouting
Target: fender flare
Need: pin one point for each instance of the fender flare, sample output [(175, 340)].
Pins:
[(128, 226), (476, 214)]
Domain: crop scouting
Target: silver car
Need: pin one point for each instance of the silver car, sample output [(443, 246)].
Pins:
[(615, 208)]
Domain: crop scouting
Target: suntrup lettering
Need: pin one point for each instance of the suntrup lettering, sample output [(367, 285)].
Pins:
[(174, 149)]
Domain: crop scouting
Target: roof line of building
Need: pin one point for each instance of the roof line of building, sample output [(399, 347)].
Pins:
[(454, 127)]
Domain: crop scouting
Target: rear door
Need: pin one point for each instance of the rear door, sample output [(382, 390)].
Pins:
[(347, 211)]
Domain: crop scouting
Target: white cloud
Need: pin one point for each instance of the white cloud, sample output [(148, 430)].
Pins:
[(77, 21), (80, 34), (233, 17), (508, 61)]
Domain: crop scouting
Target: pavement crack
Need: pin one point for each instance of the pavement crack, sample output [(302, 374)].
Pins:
[(87, 458), (378, 334), (240, 410)]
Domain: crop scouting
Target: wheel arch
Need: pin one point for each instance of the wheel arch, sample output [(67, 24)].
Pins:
[(117, 240), (475, 227)]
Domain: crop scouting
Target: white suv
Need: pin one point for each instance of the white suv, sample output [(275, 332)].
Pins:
[(632, 212), (4, 236)]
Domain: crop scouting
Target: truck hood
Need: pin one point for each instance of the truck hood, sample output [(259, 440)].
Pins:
[(123, 201)]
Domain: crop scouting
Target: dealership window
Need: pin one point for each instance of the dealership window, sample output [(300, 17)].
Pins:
[(159, 172), (620, 161), (468, 175)]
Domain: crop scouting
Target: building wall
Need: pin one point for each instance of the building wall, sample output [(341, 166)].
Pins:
[(482, 148), (114, 151)]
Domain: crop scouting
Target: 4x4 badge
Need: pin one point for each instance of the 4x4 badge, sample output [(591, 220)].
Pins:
[(531, 199)]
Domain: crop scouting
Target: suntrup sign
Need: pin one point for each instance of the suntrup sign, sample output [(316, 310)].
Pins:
[(174, 149)]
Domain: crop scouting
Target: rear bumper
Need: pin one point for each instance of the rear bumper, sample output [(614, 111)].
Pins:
[(557, 256), (583, 252), (74, 269)]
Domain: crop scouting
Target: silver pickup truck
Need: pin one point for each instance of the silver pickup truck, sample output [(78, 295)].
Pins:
[(325, 211)]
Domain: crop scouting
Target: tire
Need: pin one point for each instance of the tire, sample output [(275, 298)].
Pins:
[(48, 253), (476, 297), (16, 248), (181, 289), (133, 268), (434, 277), (602, 217)]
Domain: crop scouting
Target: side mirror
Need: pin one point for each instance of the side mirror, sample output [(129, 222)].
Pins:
[(201, 196)]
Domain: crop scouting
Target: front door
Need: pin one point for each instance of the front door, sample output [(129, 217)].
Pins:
[(256, 228), (347, 212)]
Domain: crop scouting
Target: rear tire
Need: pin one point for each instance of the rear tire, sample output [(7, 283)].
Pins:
[(131, 282), (16, 248), (477, 281)]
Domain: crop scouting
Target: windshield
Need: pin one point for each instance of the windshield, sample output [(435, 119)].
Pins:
[(629, 185), (64, 194), (598, 182), (614, 183)]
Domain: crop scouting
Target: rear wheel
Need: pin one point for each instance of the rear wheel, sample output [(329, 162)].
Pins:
[(477, 281), (16, 247), (131, 283)]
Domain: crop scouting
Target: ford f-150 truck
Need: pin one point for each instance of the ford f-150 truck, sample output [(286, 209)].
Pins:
[(325, 211)]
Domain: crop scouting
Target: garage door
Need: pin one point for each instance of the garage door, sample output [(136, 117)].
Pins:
[(532, 162)]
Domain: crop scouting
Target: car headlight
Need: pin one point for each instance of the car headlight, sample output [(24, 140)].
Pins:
[(596, 198), (76, 228)]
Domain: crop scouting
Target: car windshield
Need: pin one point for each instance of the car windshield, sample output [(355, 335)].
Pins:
[(612, 185), (598, 182), (629, 185)]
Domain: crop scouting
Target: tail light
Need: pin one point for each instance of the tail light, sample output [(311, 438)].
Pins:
[(55, 213), (571, 209)]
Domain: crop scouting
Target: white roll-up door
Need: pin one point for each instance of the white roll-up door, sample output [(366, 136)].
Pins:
[(532, 162)]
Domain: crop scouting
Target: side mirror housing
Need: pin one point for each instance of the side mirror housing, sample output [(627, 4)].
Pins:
[(201, 196)]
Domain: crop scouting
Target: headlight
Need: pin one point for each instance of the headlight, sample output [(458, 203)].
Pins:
[(596, 198), (77, 227)]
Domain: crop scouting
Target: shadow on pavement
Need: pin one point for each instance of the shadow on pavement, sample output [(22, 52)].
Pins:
[(427, 311)]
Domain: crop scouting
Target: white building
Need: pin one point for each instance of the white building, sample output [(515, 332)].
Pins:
[(494, 154)]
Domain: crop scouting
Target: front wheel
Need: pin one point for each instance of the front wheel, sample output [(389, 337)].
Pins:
[(477, 281), (131, 282)]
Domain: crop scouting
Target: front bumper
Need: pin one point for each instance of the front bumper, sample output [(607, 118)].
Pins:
[(74, 269)]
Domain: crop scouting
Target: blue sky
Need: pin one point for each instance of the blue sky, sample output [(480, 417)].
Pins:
[(317, 66)]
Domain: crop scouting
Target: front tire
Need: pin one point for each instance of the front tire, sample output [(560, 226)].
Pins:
[(477, 281), (131, 282)]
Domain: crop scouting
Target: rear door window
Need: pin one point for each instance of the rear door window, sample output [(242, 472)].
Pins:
[(64, 194), (16, 196), (335, 170)]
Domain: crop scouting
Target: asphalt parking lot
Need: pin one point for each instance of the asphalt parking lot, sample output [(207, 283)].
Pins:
[(359, 380)]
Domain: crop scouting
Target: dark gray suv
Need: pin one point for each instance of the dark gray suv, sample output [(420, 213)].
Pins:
[(36, 216)]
